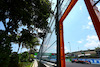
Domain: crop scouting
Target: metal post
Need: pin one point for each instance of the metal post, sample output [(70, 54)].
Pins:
[(60, 39), (41, 49), (69, 46), (58, 36), (62, 53), (78, 48)]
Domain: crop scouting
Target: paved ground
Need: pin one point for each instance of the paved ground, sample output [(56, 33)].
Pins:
[(35, 63), (69, 64)]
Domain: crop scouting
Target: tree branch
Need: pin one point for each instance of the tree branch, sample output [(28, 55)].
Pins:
[(4, 23)]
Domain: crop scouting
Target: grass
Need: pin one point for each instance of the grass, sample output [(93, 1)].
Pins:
[(25, 64), (28, 65)]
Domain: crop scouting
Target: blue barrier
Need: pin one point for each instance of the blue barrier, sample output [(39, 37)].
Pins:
[(93, 61)]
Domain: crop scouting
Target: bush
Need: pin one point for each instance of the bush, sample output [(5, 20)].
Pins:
[(24, 64), (5, 51)]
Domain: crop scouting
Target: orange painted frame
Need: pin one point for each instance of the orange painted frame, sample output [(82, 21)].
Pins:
[(94, 17), (62, 54)]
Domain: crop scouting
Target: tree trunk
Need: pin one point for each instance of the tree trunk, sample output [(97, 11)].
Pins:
[(4, 23), (18, 48)]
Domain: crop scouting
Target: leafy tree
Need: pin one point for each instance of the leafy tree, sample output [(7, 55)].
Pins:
[(24, 56), (14, 59), (31, 56), (98, 48), (97, 51), (5, 49), (32, 15), (28, 41)]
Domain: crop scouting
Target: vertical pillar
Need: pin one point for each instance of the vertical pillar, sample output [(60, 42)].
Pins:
[(58, 35), (62, 53), (60, 39), (41, 50)]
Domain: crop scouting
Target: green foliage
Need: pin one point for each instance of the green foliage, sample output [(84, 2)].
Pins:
[(5, 51), (30, 13), (33, 14), (14, 59), (31, 56), (24, 57), (28, 40), (98, 48), (24, 64), (93, 55)]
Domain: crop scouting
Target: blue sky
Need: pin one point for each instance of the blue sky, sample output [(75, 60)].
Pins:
[(78, 30)]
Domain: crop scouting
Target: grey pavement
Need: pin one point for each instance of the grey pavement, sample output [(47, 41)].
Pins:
[(35, 63)]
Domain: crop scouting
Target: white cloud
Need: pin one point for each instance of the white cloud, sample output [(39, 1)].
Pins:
[(81, 41), (90, 23), (87, 27), (93, 37), (80, 7), (92, 41), (89, 18), (66, 50), (98, 7)]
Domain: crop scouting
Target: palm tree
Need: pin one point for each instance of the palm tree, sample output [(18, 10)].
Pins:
[(27, 40)]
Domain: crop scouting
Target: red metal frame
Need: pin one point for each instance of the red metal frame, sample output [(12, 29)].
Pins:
[(62, 54), (95, 20), (94, 16)]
